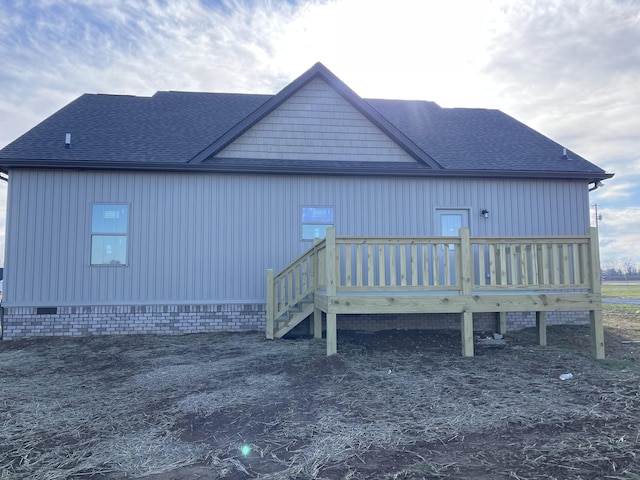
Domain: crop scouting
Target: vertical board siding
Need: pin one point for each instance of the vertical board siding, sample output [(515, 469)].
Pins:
[(211, 238), (316, 123)]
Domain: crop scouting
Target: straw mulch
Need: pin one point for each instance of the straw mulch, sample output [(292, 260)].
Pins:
[(393, 405)]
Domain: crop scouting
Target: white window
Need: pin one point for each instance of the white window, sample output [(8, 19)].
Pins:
[(109, 232), (315, 221)]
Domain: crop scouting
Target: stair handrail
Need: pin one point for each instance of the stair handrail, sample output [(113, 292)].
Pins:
[(292, 284)]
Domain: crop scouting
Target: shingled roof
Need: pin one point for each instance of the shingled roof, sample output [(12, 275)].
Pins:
[(183, 131)]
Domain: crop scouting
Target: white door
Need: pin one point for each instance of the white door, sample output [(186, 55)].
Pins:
[(449, 221)]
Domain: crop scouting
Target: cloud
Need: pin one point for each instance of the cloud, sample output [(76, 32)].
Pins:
[(563, 44), (568, 68), (571, 68), (55, 51), (616, 191), (617, 240), (402, 49)]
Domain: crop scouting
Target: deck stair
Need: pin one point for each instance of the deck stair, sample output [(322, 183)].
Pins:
[(293, 317), (290, 293)]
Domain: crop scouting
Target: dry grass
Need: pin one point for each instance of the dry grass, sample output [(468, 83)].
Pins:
[(392, 406), (621, 290)]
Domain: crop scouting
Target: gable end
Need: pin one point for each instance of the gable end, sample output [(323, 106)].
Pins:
[(316, 124), (318, 71)]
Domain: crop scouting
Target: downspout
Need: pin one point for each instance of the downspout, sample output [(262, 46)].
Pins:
[(596, 184), (3, 176)]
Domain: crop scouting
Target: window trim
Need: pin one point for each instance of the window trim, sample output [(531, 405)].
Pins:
[(93, 234)]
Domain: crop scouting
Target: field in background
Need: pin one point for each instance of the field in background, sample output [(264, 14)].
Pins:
[(621, 290)]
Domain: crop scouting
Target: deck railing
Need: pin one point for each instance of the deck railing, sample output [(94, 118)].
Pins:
[(531, 263), (384, 263), (457, 265), (447, 263)]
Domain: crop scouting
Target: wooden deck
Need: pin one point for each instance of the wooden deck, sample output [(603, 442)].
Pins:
[(461, 275)]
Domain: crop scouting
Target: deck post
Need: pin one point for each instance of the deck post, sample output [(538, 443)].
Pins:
[(595, 315), (314, 265), (597, 334), (466, 259), (466, 329), (502, 323), (330, 271), (270, 304), (317, 323), (330, 258), (541, 327), (332, 336)]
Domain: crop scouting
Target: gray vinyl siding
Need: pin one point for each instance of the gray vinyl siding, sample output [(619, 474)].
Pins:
[(210, 238), (316, 124)]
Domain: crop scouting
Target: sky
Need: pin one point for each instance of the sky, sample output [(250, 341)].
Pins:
[(567, 68)]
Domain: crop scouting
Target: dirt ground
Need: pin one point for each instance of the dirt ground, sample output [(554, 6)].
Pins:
[(391, 405)]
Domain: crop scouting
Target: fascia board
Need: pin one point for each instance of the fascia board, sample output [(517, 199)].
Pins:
[(365, 170)]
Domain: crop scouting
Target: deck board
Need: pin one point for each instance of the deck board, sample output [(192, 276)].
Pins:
[(404, 302)]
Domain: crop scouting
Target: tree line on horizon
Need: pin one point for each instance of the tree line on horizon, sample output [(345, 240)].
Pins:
[(623, 269)]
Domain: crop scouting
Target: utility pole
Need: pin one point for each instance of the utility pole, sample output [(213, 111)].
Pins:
[(598, 217)]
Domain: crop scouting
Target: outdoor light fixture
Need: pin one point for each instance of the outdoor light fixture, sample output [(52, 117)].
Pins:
[(484, 212)]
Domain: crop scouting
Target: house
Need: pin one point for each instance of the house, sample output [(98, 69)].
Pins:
[(162, 214)]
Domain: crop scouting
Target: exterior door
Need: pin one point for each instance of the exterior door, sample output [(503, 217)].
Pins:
[(449, 221)]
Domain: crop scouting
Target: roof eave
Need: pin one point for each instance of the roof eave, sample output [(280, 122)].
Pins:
[(367, 169)]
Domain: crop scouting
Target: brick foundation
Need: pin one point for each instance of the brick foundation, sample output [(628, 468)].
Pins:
[(23, 322)]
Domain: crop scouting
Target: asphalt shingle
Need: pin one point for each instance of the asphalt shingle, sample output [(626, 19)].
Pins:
[(478, 139), (172, 127)]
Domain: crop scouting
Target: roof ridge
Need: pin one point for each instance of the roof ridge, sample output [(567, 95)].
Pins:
[(188, 92)]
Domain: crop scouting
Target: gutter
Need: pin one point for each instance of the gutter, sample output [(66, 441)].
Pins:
[(397, 170)]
